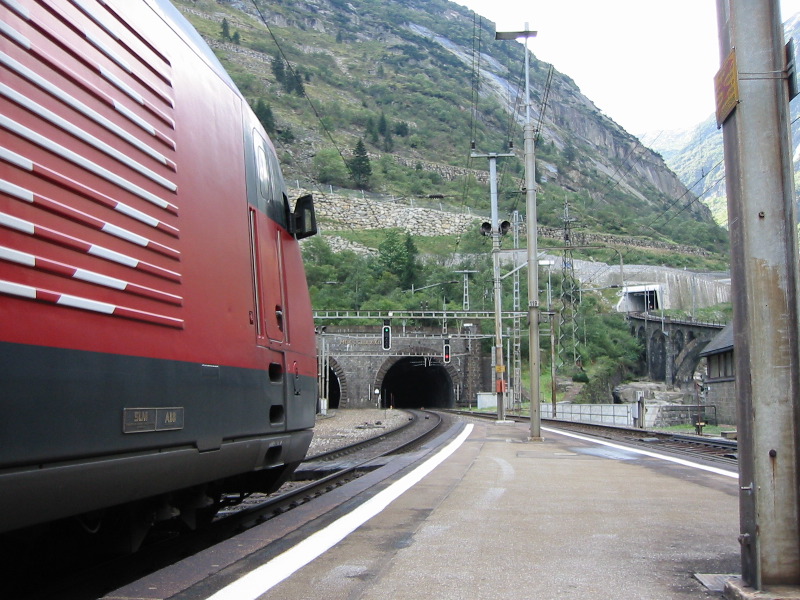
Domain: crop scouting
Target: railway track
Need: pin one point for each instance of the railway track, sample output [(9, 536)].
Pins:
[(714, 449), (328, 470), (63, 574)]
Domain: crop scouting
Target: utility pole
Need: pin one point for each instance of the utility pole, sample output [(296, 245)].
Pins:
[(533, 251), (568, 324), (496, 229), (753, 109), (516, 358)]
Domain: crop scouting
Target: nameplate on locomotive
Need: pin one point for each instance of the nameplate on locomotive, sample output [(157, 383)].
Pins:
[(140, 420)]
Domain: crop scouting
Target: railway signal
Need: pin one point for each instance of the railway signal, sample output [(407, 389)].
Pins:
[(386, 336), (446, 352), (503, 228)]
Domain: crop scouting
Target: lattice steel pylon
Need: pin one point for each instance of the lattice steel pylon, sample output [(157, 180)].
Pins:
[(516, 336), (568, 322)]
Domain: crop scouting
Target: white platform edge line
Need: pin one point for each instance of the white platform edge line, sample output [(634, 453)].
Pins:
[(268, 575), (673, 459)]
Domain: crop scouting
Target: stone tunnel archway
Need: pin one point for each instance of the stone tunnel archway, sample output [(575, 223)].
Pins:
[(415, 382), (336, 384)]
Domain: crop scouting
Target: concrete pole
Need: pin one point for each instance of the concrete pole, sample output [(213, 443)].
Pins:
[(533, 279), (553, 378), (760, 189), (533, 263), (498, 293), (498, 282), (533, 252)]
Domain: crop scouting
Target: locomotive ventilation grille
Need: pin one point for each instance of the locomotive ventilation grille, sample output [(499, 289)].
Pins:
[(88, 187)]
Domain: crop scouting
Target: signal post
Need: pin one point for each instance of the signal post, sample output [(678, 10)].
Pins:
[(496, 229)]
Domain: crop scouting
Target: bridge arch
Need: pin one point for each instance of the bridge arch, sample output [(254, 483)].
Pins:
[(672, 346), (688, 360), (677, 342), (658, 356), (641, 335)]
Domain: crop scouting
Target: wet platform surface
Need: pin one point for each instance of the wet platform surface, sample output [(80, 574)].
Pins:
[(503, 517)]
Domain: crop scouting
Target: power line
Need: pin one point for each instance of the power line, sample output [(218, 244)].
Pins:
[(314, 110)]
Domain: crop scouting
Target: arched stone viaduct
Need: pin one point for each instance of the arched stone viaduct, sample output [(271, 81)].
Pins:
[(359, 373), (672, 347)]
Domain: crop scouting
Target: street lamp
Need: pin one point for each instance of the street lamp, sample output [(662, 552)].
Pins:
[(533, 268)]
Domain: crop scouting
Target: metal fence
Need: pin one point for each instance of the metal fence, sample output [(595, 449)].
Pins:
[(607, 414)]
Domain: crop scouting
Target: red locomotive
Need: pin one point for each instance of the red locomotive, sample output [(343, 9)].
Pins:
[(156, 337)]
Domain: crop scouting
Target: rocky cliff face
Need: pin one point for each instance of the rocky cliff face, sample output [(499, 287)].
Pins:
[(369, 58), (613, 147), (572, 119)]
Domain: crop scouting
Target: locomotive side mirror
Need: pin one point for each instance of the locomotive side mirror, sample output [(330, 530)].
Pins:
[(304, 219)]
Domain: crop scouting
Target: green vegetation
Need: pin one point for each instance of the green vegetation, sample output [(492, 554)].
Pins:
[(395, 278), (360, 167), (721, 313), (719, 209)]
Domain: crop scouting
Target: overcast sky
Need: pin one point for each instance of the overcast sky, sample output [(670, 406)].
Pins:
[(647, 64)]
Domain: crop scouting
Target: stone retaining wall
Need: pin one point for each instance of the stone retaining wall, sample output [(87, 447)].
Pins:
[(366, 213)]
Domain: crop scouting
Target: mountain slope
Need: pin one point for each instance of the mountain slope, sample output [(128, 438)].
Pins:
[(430, 74)]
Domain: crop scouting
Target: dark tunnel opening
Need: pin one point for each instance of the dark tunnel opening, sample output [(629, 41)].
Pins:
[(334, 390), (416, 382)]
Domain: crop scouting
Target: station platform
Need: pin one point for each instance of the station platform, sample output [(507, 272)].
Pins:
[(499, 516)]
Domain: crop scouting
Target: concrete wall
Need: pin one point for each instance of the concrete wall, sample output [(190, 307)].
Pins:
[(722, 394)]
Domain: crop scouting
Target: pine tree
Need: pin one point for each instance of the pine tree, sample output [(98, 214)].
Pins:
[(383, 125), (398, 255), (372, 131), (360, 168), (278, 69), (226, 30), (297, 83), (408, 274), (264, 114)]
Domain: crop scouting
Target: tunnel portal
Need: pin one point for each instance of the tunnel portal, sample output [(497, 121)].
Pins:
[(416, 382), (334, 389)]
